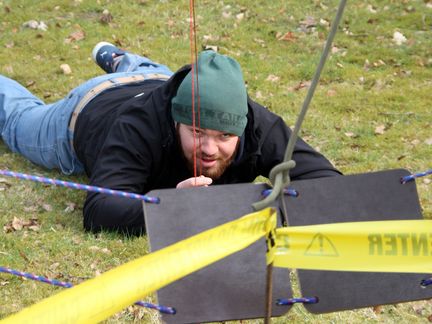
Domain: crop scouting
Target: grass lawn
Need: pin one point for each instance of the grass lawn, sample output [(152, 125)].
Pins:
[(371, 111)]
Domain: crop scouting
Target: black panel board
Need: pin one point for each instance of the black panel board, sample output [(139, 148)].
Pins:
[(232, 288), (363, 197)]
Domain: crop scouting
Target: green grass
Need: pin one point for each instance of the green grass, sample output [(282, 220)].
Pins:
[(392, 89)]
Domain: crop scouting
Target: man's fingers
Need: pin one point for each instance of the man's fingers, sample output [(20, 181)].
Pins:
[(195, 182)]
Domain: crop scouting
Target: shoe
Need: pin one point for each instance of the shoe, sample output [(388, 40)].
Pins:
[(106, 55)]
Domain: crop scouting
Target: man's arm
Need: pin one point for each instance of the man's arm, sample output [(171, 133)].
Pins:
[(103, 212), (127, 160), (274, 139)]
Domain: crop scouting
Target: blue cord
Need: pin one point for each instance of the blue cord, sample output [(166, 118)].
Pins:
[(286, 191), (291, 301), (426, 282), (411, 177)]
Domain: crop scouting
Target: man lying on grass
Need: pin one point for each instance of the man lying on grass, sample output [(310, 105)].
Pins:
[(133, 129)]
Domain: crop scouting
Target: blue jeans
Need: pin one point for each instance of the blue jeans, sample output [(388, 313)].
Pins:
[(39, 131)]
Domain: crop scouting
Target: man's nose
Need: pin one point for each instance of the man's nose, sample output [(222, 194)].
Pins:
[(208, 146)]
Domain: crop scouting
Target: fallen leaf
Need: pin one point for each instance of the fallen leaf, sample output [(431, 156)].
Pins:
[(273, 78), (302, 85), (4, 184), (399, 38), (350, 134), (33, 24), (210, 38), (47, 207), (410, 9), (214, 48), (4, 283), (259, 95), (106, 17), (371, 9), (54, 266), (75, 36), (428, 141), (65, 69), (34, 228), (7, 228), (324, 22), (42, 26), (379, 130), (331, 93), (30, 83), (427, 181), (22, 254), (378, 63), (308, 22), (418, 308), (377, 309), (17, 224), (366, 65), (288, 37), (70, 207), (170, 23), (240, 16)]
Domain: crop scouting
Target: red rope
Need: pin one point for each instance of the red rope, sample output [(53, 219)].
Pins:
[(194, 75), (197, 85)]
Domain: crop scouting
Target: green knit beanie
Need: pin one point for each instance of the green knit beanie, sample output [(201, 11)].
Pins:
[(222, 92)]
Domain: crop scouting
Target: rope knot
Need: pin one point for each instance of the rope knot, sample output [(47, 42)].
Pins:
[(281, 171), (279, 178)]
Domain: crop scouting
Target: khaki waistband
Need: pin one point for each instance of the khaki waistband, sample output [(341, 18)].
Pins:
[(107, 85)]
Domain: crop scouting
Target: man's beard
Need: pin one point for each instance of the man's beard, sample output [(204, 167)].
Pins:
[(214, 172)]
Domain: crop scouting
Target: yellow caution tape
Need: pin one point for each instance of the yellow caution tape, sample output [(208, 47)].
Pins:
[(99, 298), (382, 246)]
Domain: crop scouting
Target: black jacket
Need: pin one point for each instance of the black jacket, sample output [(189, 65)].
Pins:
[(127, 141)]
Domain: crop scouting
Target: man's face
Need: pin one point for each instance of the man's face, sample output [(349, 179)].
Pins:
[(215, 150)]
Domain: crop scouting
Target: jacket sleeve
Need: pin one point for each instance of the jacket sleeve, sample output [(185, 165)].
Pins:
[(125, 162), (309, 163)]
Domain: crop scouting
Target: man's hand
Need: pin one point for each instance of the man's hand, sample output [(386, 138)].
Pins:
[(200, 181)]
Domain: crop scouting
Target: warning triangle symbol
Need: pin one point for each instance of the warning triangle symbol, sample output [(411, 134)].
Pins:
[(321, 246)]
